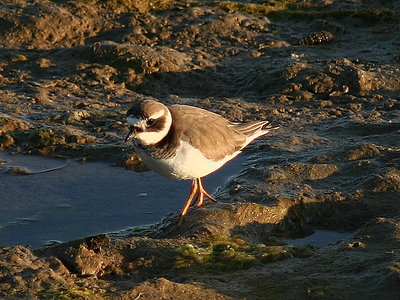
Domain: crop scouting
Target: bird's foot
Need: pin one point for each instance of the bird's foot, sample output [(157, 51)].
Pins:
[(203, 193), (197, 189)]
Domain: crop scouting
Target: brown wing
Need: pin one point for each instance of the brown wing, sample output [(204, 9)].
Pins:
[(206, 131), (255, 129)]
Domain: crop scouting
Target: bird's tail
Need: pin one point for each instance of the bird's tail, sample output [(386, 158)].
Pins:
[(254, 130)]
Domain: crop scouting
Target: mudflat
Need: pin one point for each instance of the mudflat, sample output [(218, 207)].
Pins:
[(326, 72)]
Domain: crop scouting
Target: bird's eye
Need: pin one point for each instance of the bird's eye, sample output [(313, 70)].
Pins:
[(150, 121)]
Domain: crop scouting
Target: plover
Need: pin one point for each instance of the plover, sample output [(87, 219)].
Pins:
[(187, 142)]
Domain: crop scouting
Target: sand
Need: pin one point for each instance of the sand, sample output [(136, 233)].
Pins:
[(326, 72)]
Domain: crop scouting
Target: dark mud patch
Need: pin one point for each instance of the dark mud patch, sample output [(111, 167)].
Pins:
[(70, 70)]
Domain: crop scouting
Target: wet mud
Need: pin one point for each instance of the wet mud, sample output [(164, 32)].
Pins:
[(326, 72)]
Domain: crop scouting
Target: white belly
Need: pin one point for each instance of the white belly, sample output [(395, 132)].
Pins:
[(188, 163)]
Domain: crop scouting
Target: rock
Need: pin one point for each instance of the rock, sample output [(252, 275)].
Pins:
[(363, 152), (71, 69)]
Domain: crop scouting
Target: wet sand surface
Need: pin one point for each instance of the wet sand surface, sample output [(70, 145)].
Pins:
[(311, 212)]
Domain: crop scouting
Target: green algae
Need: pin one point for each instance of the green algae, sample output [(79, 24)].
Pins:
[(43, 137), (71, 294), (234, 255)]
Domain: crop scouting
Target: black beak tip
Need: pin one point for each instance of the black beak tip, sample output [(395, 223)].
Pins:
[(130, 134)]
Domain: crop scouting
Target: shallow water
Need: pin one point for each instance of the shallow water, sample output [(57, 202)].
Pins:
[(84, 199), (321, 238)]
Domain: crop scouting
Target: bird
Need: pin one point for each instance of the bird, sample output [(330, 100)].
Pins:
[(187, 142)]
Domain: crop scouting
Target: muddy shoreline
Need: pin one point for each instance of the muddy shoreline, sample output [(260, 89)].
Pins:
[(326, 72)]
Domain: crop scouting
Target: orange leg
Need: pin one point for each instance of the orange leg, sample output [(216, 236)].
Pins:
[(193, 191), (202, 193), (197, 188)]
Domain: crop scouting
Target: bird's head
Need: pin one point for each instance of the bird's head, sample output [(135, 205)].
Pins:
[(149, 122)]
